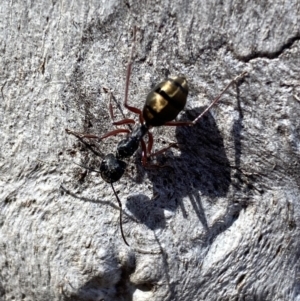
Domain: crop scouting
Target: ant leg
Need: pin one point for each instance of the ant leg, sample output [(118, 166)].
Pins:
[(91, 136), (124, 121), (145, 156), (144, 153), (235, 80), (128, 73), (81, 135), (111, 111), (147, 149), (150, 143), (191, 123), (111, 133), (115, 132), (179, 123), (161, 151)]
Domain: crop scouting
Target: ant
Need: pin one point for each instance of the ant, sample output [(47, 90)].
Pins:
[(164, 102)]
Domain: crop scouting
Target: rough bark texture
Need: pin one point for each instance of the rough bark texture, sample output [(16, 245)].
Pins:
[(221, 223)]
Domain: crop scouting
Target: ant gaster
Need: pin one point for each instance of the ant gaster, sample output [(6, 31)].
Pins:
[(164, 102)]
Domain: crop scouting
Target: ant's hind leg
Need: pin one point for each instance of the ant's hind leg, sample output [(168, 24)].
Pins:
[(191, 123), (128, 74), (128, 107), (234, 81), (178, 123)]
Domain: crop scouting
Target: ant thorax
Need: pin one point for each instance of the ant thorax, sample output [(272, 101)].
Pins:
[(128, 146)]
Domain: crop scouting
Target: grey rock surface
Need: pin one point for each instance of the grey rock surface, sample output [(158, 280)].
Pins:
[(221, 222)]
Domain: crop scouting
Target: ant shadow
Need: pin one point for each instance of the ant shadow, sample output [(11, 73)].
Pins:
[(202, 168)]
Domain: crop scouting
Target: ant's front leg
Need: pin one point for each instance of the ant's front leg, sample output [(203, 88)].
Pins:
[(128, 74), (128, 107), (233, 81), (91, 136)]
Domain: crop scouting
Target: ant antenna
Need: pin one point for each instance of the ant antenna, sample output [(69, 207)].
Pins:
[(120, 204), (121, 211)]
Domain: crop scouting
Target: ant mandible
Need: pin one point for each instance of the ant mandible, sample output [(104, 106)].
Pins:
[(164, 102)]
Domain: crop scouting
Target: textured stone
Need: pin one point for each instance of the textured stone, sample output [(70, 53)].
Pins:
[(221, 223)]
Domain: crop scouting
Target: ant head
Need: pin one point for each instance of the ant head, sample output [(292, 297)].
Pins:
[(112, 169)]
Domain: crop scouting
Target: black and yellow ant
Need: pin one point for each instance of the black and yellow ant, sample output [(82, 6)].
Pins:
[(164, 102)]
